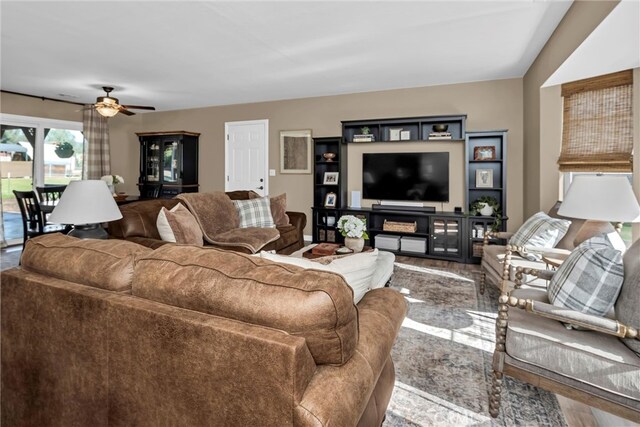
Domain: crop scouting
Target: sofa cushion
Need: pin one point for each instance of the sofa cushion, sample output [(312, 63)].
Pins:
[(628, 303), (589, 280), (254, 213), (540, 230), (105, 264), (139, 219), (357, 269), (591, 357), (316, 305), (178, 225), (288, 236)]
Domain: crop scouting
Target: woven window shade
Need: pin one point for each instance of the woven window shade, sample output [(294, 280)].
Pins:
[(597, 126)]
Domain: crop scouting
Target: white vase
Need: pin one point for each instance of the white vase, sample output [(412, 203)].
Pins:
[(354, 243), (486, 210)]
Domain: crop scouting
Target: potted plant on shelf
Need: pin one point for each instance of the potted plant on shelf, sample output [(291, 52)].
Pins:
[(487, 206), (354, 230), (64, 150)]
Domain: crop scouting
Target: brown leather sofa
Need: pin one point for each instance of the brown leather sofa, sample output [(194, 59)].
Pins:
[(112, 333), (138, 224)]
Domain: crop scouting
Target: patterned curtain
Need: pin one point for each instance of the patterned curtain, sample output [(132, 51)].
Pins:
[(96, 159)]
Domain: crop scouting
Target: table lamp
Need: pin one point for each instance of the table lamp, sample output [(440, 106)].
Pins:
[(607, 198), (85, 205)]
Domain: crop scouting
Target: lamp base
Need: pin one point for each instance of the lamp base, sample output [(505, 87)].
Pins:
[(88, 231)]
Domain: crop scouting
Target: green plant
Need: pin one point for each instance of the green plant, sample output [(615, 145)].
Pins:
[(64, 150), (478, 204), (365, 130)]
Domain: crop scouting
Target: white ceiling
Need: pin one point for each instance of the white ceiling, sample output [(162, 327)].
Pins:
[(176, 55)]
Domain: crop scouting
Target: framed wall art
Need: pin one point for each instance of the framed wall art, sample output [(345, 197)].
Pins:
[(484, 153), (330, 200), (331, 178), (484, 178), (295, 151)]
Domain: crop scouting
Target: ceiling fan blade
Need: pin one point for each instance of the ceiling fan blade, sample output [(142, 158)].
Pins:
[(139, 107), (126, 112)]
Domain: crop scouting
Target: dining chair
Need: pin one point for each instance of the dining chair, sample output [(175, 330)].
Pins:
[(49, 195), (33, 222)]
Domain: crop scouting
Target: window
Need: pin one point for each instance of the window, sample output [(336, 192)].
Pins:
[(597, 125), (35, 152)]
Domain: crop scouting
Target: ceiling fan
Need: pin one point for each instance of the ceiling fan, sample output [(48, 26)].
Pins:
[(108, 106)]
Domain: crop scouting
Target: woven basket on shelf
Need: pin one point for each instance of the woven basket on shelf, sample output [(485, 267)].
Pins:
[(405, 227)]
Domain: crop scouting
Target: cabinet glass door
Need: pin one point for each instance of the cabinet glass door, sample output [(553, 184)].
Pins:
[(153, 162), (446, 237), (170, 162)]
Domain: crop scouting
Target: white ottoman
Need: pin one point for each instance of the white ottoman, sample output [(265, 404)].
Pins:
[(384, 266)]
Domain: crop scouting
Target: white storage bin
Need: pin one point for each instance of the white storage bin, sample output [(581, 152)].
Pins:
[(387, 241), (413, 244)]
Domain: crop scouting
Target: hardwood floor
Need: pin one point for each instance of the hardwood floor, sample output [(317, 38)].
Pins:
[(576, 414)]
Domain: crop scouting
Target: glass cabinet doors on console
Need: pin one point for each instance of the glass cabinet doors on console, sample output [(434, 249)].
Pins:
[(168, 163)]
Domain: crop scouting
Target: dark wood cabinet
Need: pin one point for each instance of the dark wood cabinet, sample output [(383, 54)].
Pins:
[(168, 163), (446, 234)]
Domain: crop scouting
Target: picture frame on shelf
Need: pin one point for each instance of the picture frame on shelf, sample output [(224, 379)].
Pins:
[(487, 152), (330, 200), (394, 134), (295, 151), (331, 178), (405, 135), (484, 178)]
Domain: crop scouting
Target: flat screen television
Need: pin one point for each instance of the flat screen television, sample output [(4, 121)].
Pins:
[(406, 176)]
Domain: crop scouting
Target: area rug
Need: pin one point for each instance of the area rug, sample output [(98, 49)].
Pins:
[(443, 357)]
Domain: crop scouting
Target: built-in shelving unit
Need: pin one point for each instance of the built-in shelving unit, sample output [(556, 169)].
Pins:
[(486, 175), (405, 129), (325, 217)]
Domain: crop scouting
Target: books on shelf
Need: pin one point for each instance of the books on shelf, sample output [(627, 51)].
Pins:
[(363, 138), (440, 135)]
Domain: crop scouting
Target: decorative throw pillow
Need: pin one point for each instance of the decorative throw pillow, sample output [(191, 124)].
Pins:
[(590, 279), (540, 231), (255, 213), (357, 269), (178, 225), (278, 206)]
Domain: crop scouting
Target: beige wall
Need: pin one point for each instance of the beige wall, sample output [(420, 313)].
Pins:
[(636, 143), (579, 21), (550, 144), (489, 105), (27, 106)]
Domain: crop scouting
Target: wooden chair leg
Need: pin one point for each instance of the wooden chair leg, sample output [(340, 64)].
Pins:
[(499, 355), (494, 398), (483, 278)]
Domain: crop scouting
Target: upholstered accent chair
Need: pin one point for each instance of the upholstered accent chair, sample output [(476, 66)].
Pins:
[(496, 257), (599, 364)]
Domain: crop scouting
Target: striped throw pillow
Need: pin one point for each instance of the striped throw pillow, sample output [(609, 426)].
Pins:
[(540, 231), (255, 213), (590, 279)]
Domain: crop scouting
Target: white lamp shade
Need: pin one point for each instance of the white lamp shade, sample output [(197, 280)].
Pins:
[(85, 202), (601, 198)]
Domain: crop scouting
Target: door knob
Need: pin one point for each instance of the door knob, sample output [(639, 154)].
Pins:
[(260, 188), (261, 180)]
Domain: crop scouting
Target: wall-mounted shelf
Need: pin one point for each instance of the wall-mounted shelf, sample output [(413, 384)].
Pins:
[(408, 129)]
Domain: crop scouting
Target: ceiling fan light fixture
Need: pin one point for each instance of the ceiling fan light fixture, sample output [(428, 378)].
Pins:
[(107, 110)]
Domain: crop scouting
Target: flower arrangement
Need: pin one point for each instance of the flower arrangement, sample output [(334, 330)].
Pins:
[(352, 226), (112, 179)]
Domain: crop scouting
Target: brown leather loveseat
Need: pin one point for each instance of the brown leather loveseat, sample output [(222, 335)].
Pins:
[(113, 333), (138, 224)]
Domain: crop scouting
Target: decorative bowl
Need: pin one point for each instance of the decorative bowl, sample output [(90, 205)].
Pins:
[(329, 156), (440, 128)]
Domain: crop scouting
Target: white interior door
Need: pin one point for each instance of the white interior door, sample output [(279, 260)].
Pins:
[(247, 156)]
